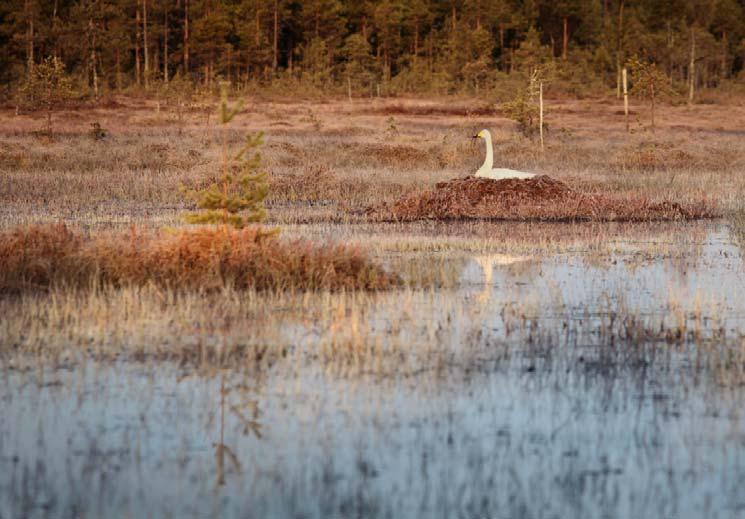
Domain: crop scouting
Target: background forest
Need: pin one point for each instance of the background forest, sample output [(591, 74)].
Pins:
[(372, 47)]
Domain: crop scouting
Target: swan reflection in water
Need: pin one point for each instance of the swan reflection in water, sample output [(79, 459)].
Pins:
[(488, 262)]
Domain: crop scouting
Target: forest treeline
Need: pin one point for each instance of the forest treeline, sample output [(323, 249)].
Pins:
[(362, 46)]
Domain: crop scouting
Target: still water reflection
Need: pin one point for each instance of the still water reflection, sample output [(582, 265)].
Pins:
[(534, 433)]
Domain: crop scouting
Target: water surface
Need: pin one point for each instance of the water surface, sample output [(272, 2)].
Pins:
[(539, 421)]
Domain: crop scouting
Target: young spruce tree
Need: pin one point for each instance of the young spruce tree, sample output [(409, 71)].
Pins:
[(238, 198)]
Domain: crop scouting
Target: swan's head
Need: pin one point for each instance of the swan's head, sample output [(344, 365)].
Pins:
[(483, 134)]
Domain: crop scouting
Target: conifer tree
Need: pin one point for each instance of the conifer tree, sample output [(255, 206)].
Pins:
[(238, 198), (422, 45), (648, 82), (46, 86), (358, 66)]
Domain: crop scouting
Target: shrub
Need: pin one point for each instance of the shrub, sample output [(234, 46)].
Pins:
[(206, 258)]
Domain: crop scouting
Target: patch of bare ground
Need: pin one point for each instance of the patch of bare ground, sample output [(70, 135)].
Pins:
[(541, 198)]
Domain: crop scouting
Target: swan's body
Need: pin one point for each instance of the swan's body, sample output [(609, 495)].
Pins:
[(487, 169)]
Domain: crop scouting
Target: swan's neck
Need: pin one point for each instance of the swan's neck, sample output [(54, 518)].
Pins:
[(489, 161)]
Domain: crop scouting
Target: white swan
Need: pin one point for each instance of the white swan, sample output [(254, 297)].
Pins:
[(487, 171)]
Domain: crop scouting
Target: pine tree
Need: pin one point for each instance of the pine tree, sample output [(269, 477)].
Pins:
[(358, 67), (46, 86), (387, 17), (238, 198), (648, 82)]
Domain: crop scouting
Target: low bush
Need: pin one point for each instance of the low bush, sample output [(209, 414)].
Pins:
[(206, 258)]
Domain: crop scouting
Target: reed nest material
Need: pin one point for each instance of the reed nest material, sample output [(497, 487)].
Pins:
[(541, 198), (205, 258)]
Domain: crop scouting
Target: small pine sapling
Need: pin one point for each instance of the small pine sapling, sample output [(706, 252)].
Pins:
[(238, 198), (524, 109), (649, 82), (47, 86)]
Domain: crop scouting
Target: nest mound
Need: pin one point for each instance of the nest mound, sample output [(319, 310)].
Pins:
[(540, 198)]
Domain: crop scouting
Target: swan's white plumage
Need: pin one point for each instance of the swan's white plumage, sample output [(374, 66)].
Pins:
[(487, 169)]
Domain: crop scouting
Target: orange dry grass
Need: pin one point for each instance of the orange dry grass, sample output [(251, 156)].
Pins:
[(202, 259), (540, 198)]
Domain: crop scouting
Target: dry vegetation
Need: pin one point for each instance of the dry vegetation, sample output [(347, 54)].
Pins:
[(343, 157), (108, 277), (204, 259), (541, 198)]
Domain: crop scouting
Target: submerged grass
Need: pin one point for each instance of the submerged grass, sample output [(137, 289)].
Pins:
[(353, 333), (737, 224), (207, 258)]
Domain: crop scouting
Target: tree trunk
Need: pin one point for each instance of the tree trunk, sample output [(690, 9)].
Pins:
[(257, 37), (210, 71), (416, 39), (138, 36), (540, 111), (626, 99), (619, 49), (565, 41), (93, 67), (512, 57), (230, 56), (54, 29), (692, 69), (275, 43), (29, 14), (165, 44), (430, 53), (186, 37), (724, 70), (501, 46), (156, 60), (145, 43), (652, 94), (118, 70)]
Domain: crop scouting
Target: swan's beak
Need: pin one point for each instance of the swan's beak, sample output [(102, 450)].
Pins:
[(475, 136)]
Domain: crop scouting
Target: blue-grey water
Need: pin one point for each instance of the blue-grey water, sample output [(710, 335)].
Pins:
[(547, 427)]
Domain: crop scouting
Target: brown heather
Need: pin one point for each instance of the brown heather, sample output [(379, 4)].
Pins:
[(206, 258), (353, 162), (541, 198)]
